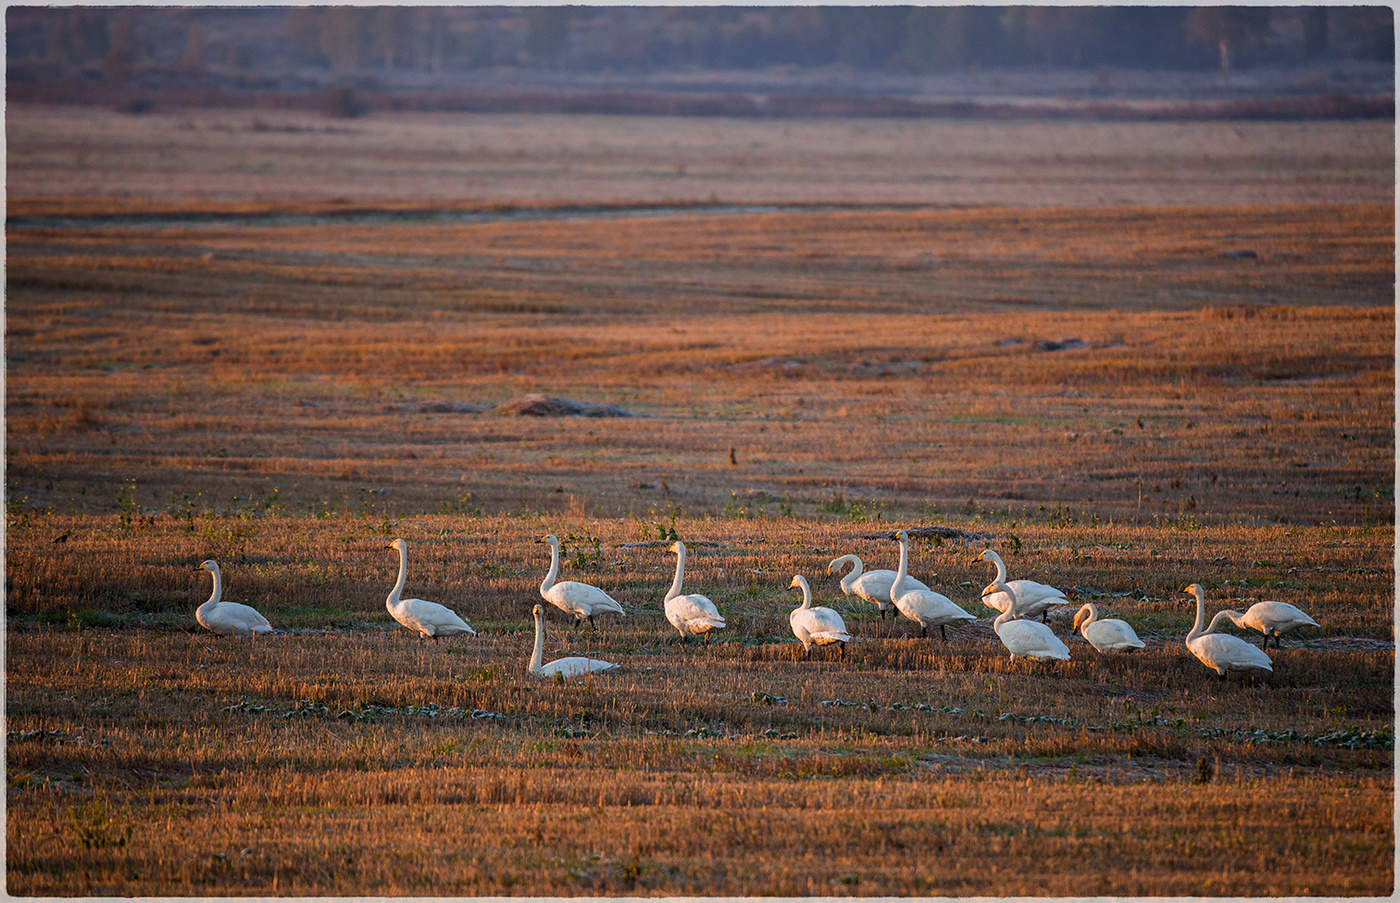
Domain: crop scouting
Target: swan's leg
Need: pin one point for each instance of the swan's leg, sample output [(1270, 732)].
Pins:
[(943, 632), (923, 630), (707, 639), (1043, 615), (841, 647), (591, 624)]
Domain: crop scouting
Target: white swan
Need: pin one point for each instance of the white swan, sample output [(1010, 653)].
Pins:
[(1021, 637), (578, 599), (573, 666), (1220, 651), (1270, 618), (872, 586), (428, 618), (819, 625), (228, 618), (1105, 634), (692, 613), (1035, 598), (923, 606)]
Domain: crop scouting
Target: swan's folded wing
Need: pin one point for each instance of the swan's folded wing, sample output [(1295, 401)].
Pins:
[(695, 608)]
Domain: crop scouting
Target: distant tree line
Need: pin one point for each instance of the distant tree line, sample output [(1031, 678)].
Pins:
[(908, 39)]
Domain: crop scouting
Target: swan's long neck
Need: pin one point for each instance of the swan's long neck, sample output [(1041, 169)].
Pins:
[(1010, 613), (806, 594), (680, 572), (537, 658), (548, 582), (1090, 616), (857, 568), (995, 559), (1200, 616), (903, 571), (397, 591), (217, 593), (1221, 616)]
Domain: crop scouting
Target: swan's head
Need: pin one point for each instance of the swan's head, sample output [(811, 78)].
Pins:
[(1086, 613), (549, 539), (997, 587), (1195, 590), (398, 545), (798, 582), (901, 536), (539, 610), (988, 555), (209, 564), (677, 548)]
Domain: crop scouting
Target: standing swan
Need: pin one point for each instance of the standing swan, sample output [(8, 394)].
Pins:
[(1021, 637), (924, 606), (578, 599), (1035, 598), (573, 666), (693, 613), (872, 586), (818, 625), (228, 618), (1220, 651), (1271, 618), (1105, 634), (428, 618)]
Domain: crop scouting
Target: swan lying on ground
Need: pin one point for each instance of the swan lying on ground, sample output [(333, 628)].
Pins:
[(923, 606), (692, 613), (428, 618), (820, 625), (872, 586), (578, 599), (1105, 634), (1220, 651), (228, 618), (1032, 639), (573, 666), (1035, 598)]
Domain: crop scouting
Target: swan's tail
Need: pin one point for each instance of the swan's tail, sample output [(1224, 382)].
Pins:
[(834, 636)]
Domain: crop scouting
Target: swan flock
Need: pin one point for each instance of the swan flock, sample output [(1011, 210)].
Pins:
[(1017, 602)]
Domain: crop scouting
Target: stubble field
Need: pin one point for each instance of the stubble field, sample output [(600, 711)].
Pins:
[(217, 347)]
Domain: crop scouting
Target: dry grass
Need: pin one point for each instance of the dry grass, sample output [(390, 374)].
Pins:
[(269, 392)]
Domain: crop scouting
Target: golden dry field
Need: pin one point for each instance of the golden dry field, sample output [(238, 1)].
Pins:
[(1129, 357)]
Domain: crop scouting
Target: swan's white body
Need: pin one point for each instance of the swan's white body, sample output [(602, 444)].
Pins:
[(1105, 634), (820, 626), (578, 599), (1032, 598), (1021, 637), (1271, 619), (872, 586), (429, 619), (228, 618), (691, 613), (573, 666), (922, 606), (1219, 651)]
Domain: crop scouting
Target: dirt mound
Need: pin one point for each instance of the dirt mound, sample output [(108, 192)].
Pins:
[(536, 405)]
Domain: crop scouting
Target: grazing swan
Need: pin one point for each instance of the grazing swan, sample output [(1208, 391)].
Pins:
[(693, 613), (573, 666), (228, 618), (1105, 634), (428, 618), (1021, 637), (818, 625), (872, 586), (1035, 598), (1270, 618), (1220, 651), (578, 599), (924, 606)]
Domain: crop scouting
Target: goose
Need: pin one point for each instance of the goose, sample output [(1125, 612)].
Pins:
[(872, 586), (1221, 652), (1035, 598), (573, 666), (1032, 639), (228, 618), (1270, 618), (1105, 634), (924, 606), (428, 618), (692, 613), (818, 625), (578, 599)]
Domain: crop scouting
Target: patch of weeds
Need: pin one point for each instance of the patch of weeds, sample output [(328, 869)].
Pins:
[(96, 825), (854, 511), (582, 550), (90, 617)]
